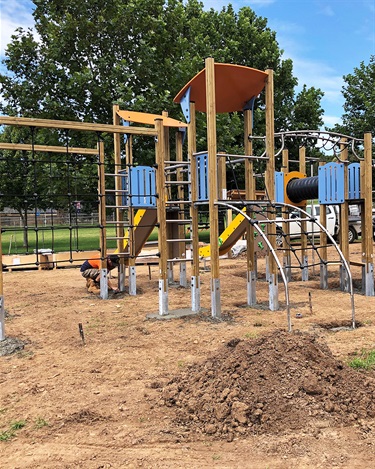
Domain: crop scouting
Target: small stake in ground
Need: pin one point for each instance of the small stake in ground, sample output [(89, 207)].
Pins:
[(80, 328), (310, 302)]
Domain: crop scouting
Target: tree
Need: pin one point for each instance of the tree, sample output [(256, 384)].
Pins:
[(140, 53), (359, 107)]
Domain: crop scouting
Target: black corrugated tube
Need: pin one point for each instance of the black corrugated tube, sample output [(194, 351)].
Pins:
[(303, 189)]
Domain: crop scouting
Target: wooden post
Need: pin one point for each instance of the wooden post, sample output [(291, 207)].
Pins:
[(304, 257), (212, 174), (192, 148), (131, 215), (170, 234), (344, 220), (270, 188), (367, 231), (286, 227), (2, 308), (181, 216), (161, 211), (119, 199), (103, 224), (323, 245), (250, 195), (222, 191)]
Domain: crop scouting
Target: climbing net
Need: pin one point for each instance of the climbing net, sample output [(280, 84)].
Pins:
[(54, 191)]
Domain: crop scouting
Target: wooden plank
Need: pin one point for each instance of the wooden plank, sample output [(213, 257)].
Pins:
[(48, 148), (82, 126), (149, 119)]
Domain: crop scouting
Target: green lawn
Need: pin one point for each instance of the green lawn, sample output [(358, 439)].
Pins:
[(62, 239)]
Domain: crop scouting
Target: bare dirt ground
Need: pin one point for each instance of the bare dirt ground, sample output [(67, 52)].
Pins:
[(184, 393)]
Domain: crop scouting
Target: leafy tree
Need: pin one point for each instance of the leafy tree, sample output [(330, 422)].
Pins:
[(359, 107), (140, 53)]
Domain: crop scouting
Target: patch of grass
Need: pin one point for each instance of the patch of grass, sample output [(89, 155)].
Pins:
[(13, 427), (365, 361), (7, 435), (60, 239), (40, 423), (251, 335), (17, 425)]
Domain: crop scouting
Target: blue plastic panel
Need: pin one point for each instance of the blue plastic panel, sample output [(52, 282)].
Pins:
[(279, 187), (354, 190), (331, 184), (185, 105), (142, 187), (202, 176)]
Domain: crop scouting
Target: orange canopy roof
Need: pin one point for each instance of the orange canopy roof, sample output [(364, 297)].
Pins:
[(146, 118), (235, 85)]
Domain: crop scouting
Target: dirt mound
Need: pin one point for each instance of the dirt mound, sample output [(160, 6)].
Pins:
[(274, 384)]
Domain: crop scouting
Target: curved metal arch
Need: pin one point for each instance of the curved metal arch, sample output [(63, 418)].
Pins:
[(343, 260), (272, 250)]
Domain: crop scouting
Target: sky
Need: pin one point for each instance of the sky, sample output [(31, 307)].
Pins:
[(326, 39)]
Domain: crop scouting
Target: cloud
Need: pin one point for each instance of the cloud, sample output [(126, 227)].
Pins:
[(331, 121), (13, 14), (326, 10)]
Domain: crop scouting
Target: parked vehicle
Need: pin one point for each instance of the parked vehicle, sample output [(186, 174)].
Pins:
[(332, 224)]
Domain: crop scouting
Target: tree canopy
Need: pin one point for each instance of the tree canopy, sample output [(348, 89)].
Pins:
[(359, 94), (89, 54), (92, 53)]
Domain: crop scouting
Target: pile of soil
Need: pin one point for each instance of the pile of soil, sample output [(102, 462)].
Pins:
[(278, 383)]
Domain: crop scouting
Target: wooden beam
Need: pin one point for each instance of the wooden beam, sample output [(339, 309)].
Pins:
[(82, 126), (270, 171), (48, 148), (302, 169), (102, 206), (192, 148), (118, 183), (212, 166), (2, 308), (161, 206), (344, 207), (366, 192), (249, 187)]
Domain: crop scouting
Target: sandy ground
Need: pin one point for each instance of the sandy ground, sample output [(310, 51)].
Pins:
[(101, 403)]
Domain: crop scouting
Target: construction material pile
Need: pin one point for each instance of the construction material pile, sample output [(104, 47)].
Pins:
[(274, 384)]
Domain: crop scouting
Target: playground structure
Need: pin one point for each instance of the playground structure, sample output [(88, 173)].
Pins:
[(170, 194)]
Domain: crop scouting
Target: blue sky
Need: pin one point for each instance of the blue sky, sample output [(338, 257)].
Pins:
[(326, 39)]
